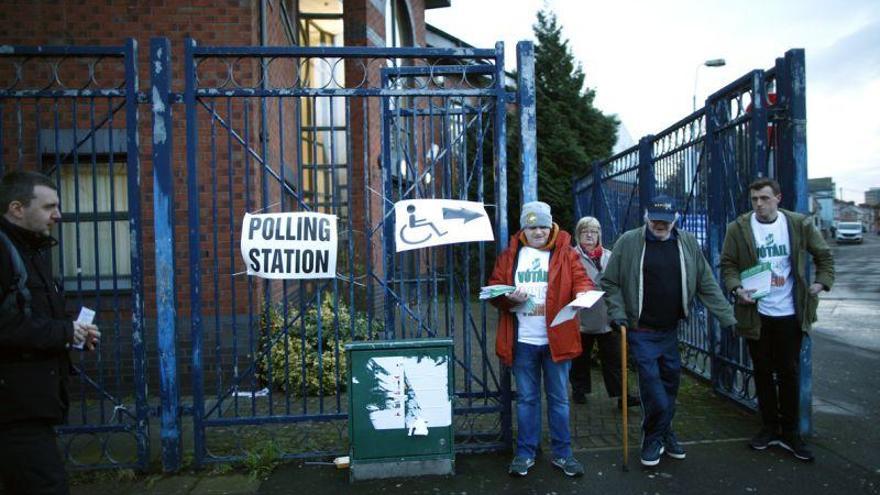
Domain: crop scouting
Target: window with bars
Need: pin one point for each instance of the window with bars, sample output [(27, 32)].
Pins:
[(399, 34), (94, 246), (324, 130)]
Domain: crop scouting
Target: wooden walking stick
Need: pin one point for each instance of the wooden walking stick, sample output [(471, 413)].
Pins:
[(623, 396)]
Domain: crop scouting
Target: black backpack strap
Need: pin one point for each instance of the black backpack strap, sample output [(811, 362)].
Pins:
[(18, 297)]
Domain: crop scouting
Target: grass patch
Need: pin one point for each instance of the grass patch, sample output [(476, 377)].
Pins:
[(262, 459)]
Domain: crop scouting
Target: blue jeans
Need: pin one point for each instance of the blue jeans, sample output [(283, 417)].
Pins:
[(528, 363), (659, 370)]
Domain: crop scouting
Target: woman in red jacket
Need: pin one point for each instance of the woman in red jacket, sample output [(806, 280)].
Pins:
[(543, 266)]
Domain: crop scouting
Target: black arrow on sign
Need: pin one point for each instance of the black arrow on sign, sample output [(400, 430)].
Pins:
[(467, 215)]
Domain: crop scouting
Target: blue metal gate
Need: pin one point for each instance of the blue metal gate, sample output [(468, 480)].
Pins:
[(72, 113), (346, 131), (753, 127)]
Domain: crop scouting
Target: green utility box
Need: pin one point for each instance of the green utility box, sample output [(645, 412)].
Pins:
[(400, 408)]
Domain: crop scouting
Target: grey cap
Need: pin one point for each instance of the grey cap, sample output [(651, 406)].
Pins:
[(535, 214)]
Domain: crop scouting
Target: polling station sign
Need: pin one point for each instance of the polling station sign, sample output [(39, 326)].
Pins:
[(292, 245)]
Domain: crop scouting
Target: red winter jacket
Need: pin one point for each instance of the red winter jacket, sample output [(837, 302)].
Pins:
[(567, 278)]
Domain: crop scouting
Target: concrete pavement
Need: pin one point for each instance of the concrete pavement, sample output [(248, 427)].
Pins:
[(713, 431), (716, 467)]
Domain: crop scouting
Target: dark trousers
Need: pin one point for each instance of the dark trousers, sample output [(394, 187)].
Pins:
[(29, 460), (778, 352), (609, 354), (655, 354)]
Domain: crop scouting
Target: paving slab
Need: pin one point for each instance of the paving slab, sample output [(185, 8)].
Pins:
[(229, 484)]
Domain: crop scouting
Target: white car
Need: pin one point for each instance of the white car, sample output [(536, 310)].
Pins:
[(848, 232)]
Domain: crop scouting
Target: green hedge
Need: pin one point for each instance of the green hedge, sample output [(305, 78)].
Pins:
[(288, 349)]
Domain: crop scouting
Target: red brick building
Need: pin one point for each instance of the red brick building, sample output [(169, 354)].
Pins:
[(306, 142)]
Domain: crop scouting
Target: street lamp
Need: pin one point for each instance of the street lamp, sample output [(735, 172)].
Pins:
[(712, 62)]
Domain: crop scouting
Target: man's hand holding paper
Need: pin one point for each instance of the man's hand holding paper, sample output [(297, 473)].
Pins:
[(756, 283)]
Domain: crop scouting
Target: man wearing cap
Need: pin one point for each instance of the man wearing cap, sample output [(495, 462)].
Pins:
[(651, 279), (542, 265), (774, 324)]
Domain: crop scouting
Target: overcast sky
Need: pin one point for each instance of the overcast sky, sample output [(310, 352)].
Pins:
[(641, 58)]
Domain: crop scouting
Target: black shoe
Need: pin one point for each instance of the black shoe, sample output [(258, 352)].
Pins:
[(578, 397), (795, 445), (766, 437), (631, 401)]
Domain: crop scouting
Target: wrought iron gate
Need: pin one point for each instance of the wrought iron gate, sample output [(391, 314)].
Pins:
[(345, 131)]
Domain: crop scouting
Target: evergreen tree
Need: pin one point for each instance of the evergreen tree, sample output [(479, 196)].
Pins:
[(571, 131)]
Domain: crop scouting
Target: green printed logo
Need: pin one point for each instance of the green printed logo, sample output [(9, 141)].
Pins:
[(534, 274), (770, 249)]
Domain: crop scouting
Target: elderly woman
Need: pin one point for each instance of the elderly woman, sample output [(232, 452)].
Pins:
[(542, 265), (594, 322)]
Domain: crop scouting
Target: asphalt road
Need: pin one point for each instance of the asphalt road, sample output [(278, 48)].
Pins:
[(850, 313), (846, 358)]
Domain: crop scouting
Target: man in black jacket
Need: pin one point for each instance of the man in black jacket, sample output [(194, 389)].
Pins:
[(35, 337)]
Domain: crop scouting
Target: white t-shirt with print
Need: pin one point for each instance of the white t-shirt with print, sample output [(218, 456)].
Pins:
[(772, 245), (532, 271)]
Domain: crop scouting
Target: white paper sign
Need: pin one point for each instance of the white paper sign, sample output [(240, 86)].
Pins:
[(423, 223), (586, 300), (289, 245)]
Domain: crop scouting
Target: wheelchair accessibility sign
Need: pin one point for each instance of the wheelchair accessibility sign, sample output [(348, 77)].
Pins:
[(423, 223)]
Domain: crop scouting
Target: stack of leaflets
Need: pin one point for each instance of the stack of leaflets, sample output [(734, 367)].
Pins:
[(757, 279), (493, 291)]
